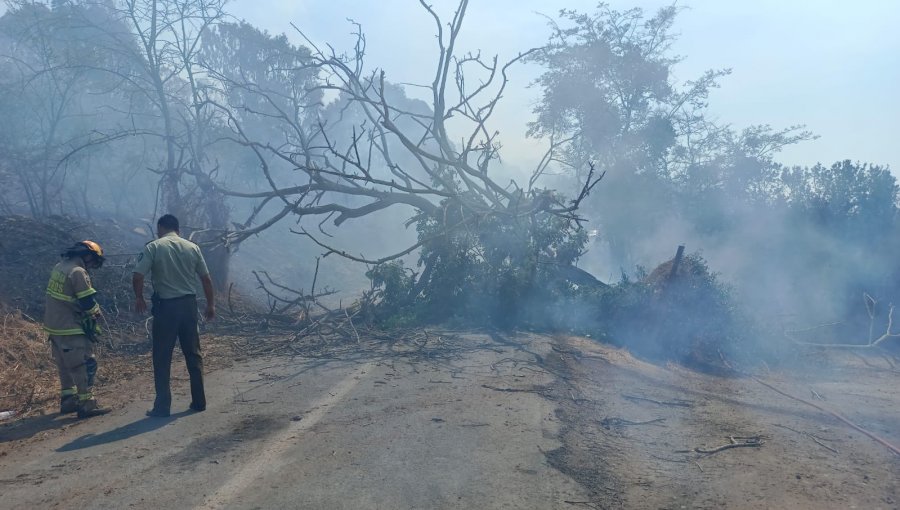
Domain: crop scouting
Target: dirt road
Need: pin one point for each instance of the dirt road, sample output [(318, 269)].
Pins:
[(477, 421)]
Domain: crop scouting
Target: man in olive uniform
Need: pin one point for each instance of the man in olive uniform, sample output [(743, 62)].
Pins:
[(70, 313), (174, 265)]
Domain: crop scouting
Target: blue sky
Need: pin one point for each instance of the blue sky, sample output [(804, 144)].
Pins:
[(832, 65)]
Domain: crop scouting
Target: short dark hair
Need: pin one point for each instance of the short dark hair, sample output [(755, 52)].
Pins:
[(168, 222)]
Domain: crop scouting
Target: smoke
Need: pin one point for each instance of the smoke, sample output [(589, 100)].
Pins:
[(789, 270), (799, 248)]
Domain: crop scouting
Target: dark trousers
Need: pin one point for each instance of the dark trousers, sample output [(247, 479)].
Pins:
[(176, 318)]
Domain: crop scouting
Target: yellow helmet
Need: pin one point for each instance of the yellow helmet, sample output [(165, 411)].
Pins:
[(84, 248), (93, 248)]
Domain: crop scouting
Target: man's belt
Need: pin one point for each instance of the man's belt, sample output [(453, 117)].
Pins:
[(165, 300)]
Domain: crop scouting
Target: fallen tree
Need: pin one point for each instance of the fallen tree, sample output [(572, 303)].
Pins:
[(483, 246)]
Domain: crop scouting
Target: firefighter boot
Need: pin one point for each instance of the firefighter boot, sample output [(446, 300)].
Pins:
[(89, 408), (68, 404)]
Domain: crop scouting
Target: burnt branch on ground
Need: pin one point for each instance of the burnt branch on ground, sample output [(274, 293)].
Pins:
[(872, 341)]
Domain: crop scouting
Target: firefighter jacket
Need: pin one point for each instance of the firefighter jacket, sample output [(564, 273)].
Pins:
[(70, 301)]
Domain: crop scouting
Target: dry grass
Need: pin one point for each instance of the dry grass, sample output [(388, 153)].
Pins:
[(29, 383), (28, 378), (29, 248)]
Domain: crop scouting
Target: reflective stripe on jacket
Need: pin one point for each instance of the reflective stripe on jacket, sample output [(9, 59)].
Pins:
[(69, 282)]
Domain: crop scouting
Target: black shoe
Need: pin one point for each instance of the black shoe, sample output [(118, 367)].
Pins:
[(68, 404), (156, 413), (92, 413), (195, 407), (89, 409)]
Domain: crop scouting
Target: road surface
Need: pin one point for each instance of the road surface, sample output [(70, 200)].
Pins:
[(477, 421), (412, 427)]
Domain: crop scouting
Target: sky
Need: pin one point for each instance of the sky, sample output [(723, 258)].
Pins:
[(831, 65)]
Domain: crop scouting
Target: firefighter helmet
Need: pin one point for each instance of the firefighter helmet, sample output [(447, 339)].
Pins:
[(93, 248), (86, 247)]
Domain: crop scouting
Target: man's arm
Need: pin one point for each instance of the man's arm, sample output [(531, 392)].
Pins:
[(143, 266), (137, 283), (210, 313)]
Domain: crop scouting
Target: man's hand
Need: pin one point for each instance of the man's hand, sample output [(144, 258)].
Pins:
[(137, 282), (140, 306), (210, 312)]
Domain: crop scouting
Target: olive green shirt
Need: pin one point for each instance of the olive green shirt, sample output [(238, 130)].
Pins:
[(173, 264)]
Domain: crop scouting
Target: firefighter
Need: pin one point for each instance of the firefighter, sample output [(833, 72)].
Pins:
[(70, 318)]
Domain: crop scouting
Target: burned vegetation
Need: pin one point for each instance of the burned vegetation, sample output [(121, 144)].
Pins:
[(307, 150)]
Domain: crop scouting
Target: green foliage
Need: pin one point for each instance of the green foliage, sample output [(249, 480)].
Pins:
[(392, 284), (487, 270), (607, 81), (609, 86), (812, 238), (848, 199), (842, 218), (393, 281), (690, 317)]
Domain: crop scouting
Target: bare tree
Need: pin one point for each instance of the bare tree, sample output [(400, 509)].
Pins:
[(438, 163), (168, 35), (156, 44), (43, 85)]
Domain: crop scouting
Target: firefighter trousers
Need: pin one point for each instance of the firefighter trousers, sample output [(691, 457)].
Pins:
[(74, 356)]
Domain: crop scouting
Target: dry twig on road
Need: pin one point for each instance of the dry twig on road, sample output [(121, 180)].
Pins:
[(883, 442), (818, 440), (734, 442), (676, 402), (858, 428), (610, 423), (539, 391)]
